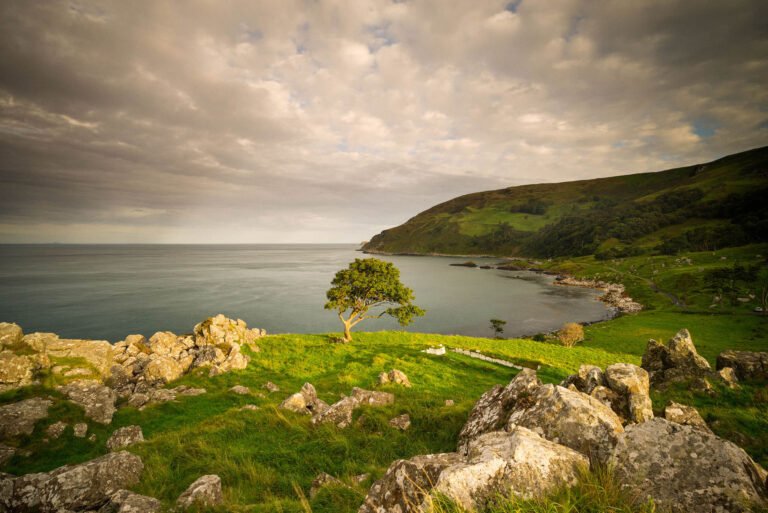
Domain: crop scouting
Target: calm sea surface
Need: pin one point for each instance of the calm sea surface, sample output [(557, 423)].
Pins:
[(110, 291)]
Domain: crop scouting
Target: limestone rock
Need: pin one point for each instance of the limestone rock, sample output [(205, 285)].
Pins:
[(685, 469), (372, 398), (240, 390), (163, 370), (20, 418), (675, 361), (728, 375), (125, 436), (96, 399), (339, 413), (305, 401), (394, 376), (124, 501), (80, 429), (401, 422), (321, 481), (685, 415), (10, 334), (205, 491), (207, 356), (573, 419), (189, 391), (518, 463), (271, 387), (491, 411), (166, 343), (16, 370), (632, 382), (56, 429), (587, 379), (449, 402), (250, 407), (138, 400), (98, 353), (747, 365), (406, 483), (222, 330), (6, 453), (74, 487)]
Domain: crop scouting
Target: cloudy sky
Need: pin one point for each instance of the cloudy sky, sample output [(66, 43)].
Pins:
[(327, 121)]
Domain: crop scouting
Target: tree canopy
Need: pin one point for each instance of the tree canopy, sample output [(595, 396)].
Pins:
[(366, 286)]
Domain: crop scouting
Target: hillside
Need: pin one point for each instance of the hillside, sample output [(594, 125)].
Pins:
[(695, 208)]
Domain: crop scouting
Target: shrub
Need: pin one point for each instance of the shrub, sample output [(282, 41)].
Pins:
[(570, 334)]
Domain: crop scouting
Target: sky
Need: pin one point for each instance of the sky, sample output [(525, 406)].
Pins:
[(327, 121)]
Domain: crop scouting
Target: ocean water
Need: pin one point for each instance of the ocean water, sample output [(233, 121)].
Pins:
[(110, 291)]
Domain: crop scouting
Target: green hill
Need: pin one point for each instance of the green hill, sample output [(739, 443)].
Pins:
[(695, 208)]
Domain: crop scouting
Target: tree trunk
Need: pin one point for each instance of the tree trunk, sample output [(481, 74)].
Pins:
[(347, 332)]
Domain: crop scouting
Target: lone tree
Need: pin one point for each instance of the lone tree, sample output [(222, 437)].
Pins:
[(368, 284), (497, 325)]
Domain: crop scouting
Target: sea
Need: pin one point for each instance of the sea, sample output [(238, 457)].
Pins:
[(110, 291)]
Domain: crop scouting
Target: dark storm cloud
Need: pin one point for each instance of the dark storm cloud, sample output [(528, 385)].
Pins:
[(329, 121)]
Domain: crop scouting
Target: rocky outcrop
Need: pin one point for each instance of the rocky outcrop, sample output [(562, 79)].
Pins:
[(395, 377), (614, 294), (675, 361), (205, 491), (96, 399), (17, 370), (686, 469), (10, 335), (222, 330), (82, 487), (124, 437), (305, 401), (747, 365), (124, 501), (20, 418)]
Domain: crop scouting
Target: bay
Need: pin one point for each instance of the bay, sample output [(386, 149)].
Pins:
[(110, 291)]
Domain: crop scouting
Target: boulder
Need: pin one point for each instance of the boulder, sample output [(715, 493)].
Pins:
[(728, 375), (675, 361), (166, 343), (125, 436), (163, 370), (573, 419), (519, 463), (205, 491), (394, 376), (491, 411), (96, 399), (685, 415), (222, 330), (80, 429), (38, 341), (189, 391), (98, 353), (587, 379), (20, 418), (633, 383), (271, 387), (56, 429), (124, 501), (240, 390), (305, 401), (10, 335), (747, 365), (401, 422), (686, 469), (339, 413), (16, 370), (208, 356), (81, 487), (406, 483), (372, 398)]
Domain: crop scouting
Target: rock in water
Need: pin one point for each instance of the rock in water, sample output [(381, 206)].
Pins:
[(97, 400), (685, 469), (124, 437), (73, 487), (492, 410), (746, 365), (124, 501), (20, 418), (205, 491)]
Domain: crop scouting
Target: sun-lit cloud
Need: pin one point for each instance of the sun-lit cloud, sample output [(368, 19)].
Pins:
[(293, 121)]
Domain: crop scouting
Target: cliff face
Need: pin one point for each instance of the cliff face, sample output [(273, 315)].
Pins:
[(720, 203)]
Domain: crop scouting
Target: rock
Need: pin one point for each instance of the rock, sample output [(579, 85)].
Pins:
[(10, 335), (124, 501), (305, 401), (632, 382), (162, 395), (686, 469), (73, 487), (437, 351), (406, 483), (163, 370), (491, 411), (20, 418), (251, 407), (449, 402), (747, 365), (519, 463), (77, 371), (394, 376), (222, 330), (98, 353), (166, 343), (119, 377), (208, 356), (56, 429), (97, 400), (271, 387), (323, 480), (401, 422), (80, 429), (205, 491), (339, 413), (728, 375), (675, 361), (189, 391), (685, 415), (38, 341), (573, 419), (138, 400), (125, 436), (360, 478), (240, 390), (6, 453), (16, 370), (588, 377), (372, 398)]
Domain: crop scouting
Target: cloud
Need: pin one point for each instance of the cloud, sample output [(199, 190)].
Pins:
[(328, 121)]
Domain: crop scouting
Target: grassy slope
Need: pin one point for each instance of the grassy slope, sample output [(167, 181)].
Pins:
[(450, 226)]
